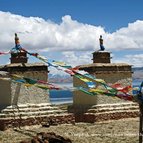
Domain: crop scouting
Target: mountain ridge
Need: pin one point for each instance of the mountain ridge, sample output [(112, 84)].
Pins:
[(65, 78)]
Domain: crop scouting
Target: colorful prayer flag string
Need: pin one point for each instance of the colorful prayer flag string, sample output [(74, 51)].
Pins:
[(92, 89)]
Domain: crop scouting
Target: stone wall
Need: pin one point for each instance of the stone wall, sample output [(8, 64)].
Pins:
[(81, 98), (101, 57), (43, 114), (30, 94), (15, 93), (113, 77), (5, 92), (21, 94), (111, 73), (103, 112), (41, 75), (47, 114), (30, 70)]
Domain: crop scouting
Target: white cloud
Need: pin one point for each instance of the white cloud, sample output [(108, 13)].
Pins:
[(70, 37), (134, 60), (37, 33), (129, 37), (75, 58)]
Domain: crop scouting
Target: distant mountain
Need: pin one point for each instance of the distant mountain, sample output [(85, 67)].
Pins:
[(65, 78), (138, 69), (57, 78)]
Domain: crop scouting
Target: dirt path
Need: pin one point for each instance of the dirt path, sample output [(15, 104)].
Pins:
[(119, 131)]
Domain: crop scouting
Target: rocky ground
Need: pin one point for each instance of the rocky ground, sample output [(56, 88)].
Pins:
[(117, 131)]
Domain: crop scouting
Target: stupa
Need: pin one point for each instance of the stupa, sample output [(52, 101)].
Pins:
[(102, 68), (21, 105)]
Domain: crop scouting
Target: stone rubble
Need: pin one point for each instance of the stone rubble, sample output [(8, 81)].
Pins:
[(49, 137)]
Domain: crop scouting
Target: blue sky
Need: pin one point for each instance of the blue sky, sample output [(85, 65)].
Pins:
[(58, 28), (111, 14)]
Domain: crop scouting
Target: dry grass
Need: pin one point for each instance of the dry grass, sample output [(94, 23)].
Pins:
[(119, 131)]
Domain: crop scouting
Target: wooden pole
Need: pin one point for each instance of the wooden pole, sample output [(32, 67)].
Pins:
[(141, 123), (17, 92)]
